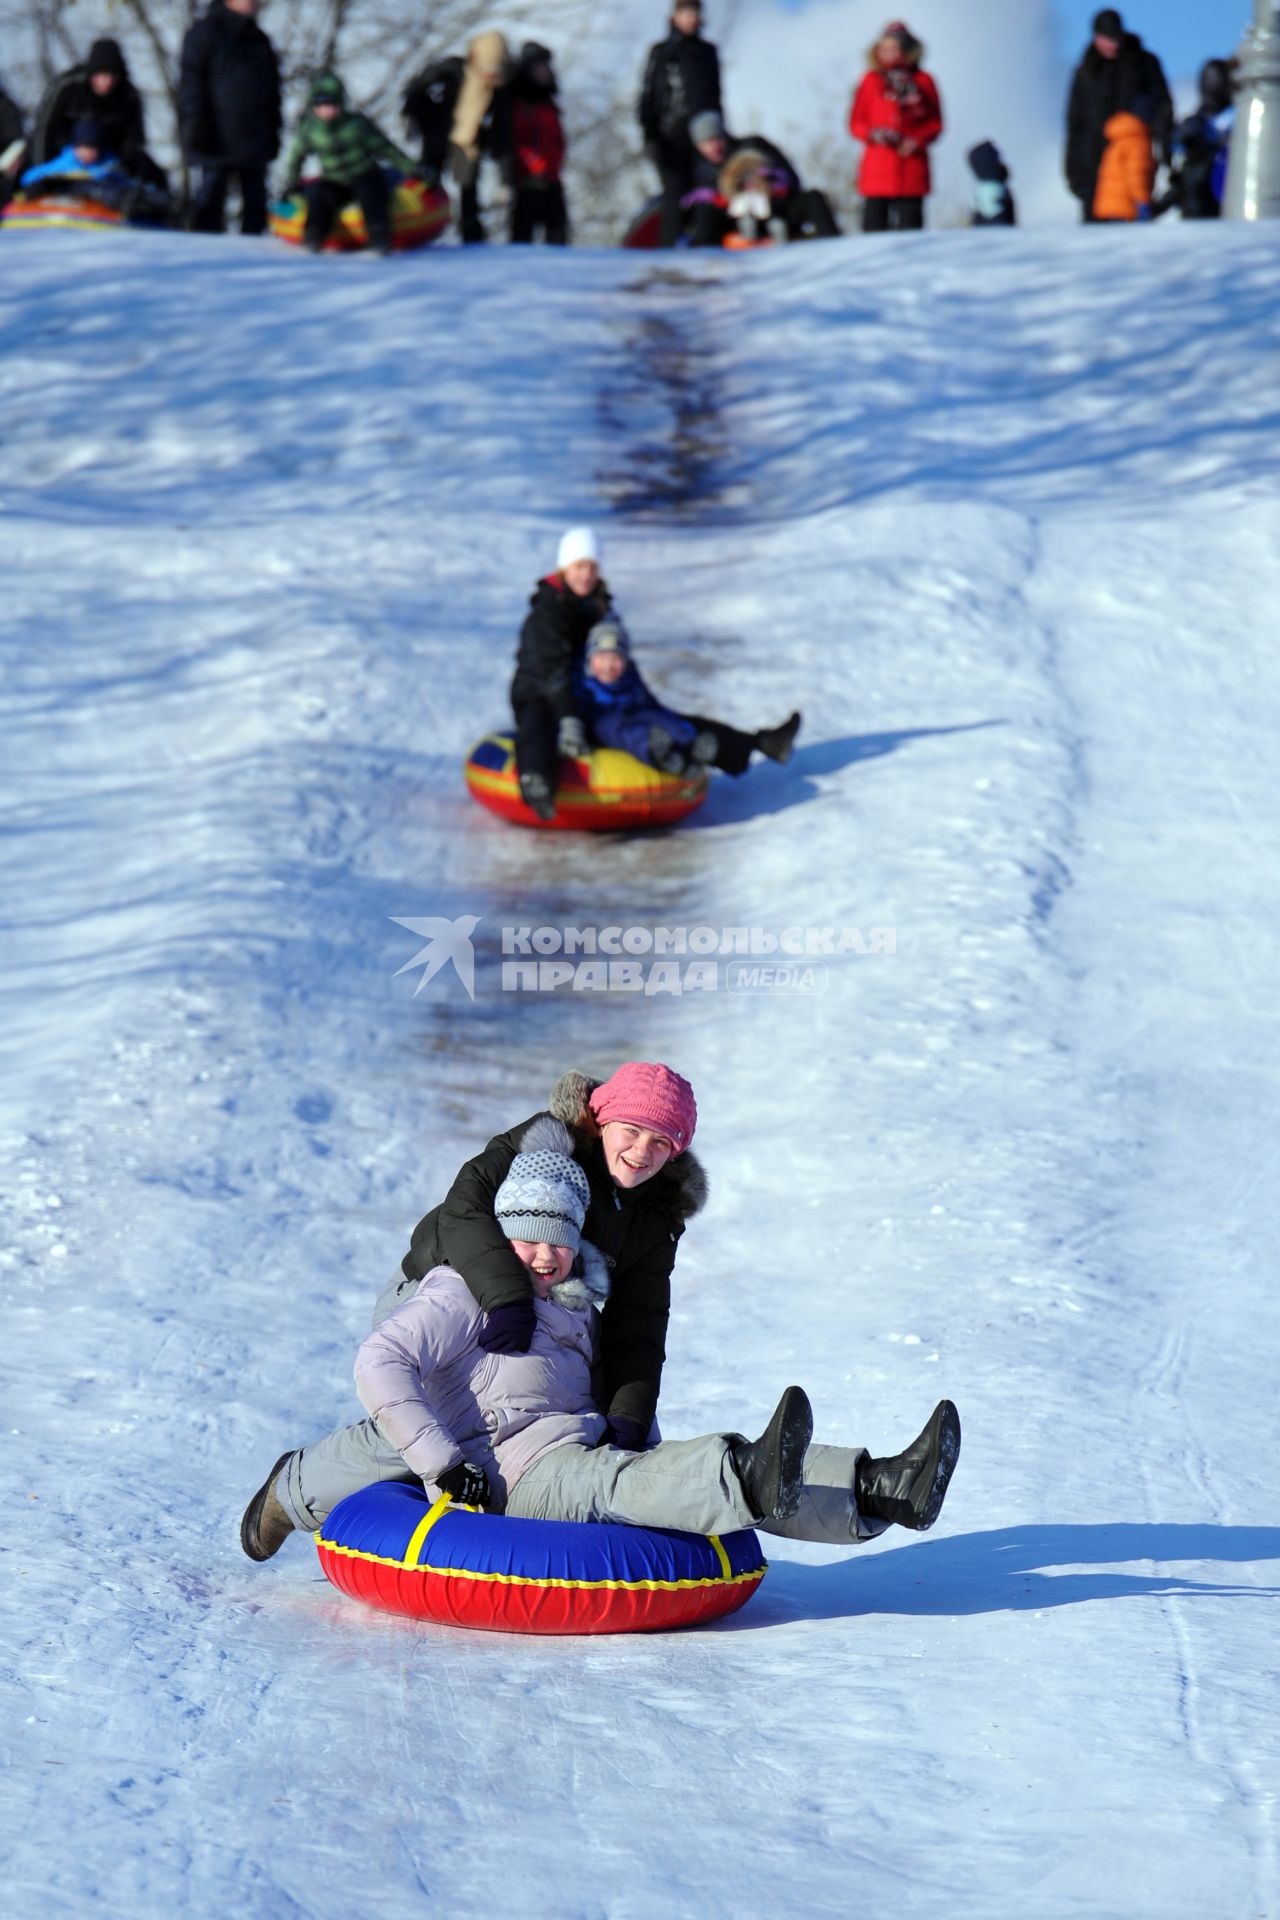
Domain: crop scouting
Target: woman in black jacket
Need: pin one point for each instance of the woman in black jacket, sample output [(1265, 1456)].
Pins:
[(229, 112), (631, 1135), (564, 608), (681, 80)]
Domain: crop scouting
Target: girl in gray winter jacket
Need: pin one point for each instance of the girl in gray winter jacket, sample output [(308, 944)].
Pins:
[(522, 1432)]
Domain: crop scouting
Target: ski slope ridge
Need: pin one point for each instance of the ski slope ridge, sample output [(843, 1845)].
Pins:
[(998, 512)]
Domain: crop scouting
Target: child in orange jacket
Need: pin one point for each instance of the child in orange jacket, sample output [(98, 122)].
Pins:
[(1127, 175)]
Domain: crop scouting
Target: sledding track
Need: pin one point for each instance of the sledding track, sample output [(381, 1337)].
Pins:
[(262, 576)]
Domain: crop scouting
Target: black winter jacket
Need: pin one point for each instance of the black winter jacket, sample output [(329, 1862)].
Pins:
[(11, 124), (229, 91), (429, 101), (70, 98), (1100, 88), (637, 1231), (553, 640), (682, 78)]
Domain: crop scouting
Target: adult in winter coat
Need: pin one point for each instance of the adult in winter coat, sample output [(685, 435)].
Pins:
[(1114, 74), (537, 151), (631, 1138), (429, 103), (350, 150), (229, 112), (1199, 145), (13, 151), (620, 711), (99, 89), (481, 126), (564, 608), (730, 168), (992, 200), (523, 1433), (896, 111), (1127, 175), (681, 80)]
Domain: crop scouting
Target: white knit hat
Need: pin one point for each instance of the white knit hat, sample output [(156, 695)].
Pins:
[(545, 1195), (579, 543)]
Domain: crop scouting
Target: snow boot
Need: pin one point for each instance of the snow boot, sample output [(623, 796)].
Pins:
[(666, 756), (909, 1488), (266, 1526), (776, 742), (771, 1468), (706, 745), (537, 795)]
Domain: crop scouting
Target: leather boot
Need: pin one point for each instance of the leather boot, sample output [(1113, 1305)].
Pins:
[(771, 1468), (909, 1488), (776, 742), (266, 1526)]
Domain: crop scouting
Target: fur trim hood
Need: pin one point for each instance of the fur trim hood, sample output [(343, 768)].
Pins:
[(680, 1188), (588, 1282)]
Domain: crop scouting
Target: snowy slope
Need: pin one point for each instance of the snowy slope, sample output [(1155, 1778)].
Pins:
[(998, 512)]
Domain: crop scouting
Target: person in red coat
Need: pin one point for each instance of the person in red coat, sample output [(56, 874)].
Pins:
[(537, 150), (897, 112)]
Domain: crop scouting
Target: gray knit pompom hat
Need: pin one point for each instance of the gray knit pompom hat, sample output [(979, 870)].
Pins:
[(545, 1195)]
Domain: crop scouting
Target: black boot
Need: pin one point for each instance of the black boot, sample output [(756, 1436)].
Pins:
[(776, 742), (771, 1468), (266, 1526), (909, 1488), (537, 795)]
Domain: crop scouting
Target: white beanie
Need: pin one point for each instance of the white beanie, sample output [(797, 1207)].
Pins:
[(545, 1195), (579, 543)]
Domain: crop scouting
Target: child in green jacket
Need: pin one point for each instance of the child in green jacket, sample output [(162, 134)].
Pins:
[(350, 149)]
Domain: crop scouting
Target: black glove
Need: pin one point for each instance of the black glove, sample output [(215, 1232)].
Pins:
[(466, 1484), (509, 1329), (624, 1433)]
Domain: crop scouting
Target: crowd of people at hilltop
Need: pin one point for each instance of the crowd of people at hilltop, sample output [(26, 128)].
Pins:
[(494, 105)]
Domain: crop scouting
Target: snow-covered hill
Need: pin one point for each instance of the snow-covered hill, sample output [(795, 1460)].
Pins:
[(998, 511)]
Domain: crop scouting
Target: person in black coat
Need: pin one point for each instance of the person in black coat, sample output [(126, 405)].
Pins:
[(993, 204), (564, 608), (229, 113), (100, 89), (1117, 71), (428, 107), (13, 134), (681, 80)]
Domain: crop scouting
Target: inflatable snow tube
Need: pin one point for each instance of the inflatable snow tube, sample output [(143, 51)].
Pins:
[(390, 1546), (80, 212), (419, 215), (646, 229), (608, 793)]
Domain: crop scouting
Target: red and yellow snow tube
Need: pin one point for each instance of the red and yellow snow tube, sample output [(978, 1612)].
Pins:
[(37, 211), (390, 1546), (608, 793), (419, 215)]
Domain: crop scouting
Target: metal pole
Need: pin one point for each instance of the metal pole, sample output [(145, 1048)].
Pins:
[(1253, 168)]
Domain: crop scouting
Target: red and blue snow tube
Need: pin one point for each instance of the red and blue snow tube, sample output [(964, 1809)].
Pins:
[(391, 1546)]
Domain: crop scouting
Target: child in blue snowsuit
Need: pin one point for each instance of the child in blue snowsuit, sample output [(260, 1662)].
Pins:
[(618, 710), (81, 159)]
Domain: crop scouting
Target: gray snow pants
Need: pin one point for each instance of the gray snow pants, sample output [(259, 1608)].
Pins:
[(690, 1485)]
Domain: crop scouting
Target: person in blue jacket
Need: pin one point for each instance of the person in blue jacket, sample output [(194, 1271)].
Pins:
[(81, 159), (618, 710)]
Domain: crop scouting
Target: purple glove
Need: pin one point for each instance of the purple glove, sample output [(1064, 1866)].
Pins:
[(624, 1433), (509, 1329)]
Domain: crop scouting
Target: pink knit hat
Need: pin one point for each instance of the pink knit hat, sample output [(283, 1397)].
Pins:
[(646, 1094)]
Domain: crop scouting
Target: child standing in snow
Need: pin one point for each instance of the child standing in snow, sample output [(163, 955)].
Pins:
[(992, 201), (537, 151), (620, 711), (1127, 175), (521, 1433), (350, 150)]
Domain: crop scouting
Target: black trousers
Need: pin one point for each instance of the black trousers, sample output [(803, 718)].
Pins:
[(733, 747), (209, 205), (675, 173), (540, 207), (808, 215), (537, 730), (884, 213), (326, 199)]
